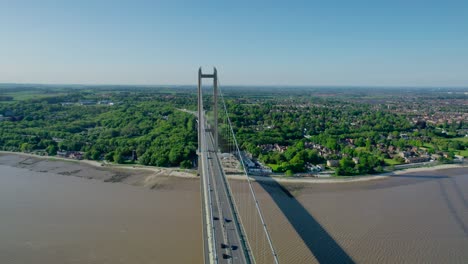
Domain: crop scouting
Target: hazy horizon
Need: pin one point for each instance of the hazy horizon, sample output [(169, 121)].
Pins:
[(241, 85)]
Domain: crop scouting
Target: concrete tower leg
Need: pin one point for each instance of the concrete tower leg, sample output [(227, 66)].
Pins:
[(199, 115), (215, 110)]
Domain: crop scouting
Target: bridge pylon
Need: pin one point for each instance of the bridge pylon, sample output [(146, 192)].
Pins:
[(213, 76)]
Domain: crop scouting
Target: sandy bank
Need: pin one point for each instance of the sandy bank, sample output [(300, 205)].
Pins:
[(151, 177)]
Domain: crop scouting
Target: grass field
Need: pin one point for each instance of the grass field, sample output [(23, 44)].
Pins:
[(391, 162), (462, 139), (463, 153), (32, 94), (428, 145)]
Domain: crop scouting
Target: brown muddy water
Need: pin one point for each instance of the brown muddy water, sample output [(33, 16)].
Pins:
[(414, 218), (49, 218)]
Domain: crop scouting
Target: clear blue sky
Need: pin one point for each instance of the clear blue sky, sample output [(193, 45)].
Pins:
[(389, 43)]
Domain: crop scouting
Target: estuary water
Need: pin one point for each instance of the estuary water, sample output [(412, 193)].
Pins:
[(55, 219), (410, 218)]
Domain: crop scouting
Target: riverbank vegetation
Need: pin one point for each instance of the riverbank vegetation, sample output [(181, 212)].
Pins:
[(115, 124), (354, 131)]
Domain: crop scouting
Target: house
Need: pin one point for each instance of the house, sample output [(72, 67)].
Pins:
[(416, 159), (105, 102), (260, 171), (333, 163), (404, 154), (280, 149), (314, 168), (62, 154), (249, 163), (76, 155), (87, 102)]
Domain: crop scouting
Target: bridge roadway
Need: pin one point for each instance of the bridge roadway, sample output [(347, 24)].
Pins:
[(229, 247)]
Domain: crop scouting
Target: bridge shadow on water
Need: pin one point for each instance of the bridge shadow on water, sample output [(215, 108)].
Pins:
[(316, 238)]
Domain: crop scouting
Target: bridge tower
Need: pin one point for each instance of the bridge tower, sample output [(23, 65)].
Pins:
[(213, 76)]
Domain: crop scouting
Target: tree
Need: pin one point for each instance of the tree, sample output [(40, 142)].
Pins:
[(161, 161), (331, 143), (186, 164), (95, 154), (26, 147), (118, 157), (296, 163), (52, 150), (109, 156), (174, 156), (346, 167)]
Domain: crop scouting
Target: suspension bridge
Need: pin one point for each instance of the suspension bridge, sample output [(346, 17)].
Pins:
[(234, 228)]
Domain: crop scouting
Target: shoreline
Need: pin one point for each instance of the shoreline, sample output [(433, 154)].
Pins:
[(152, 178), (177, 172), (362, 178), (191, 174)]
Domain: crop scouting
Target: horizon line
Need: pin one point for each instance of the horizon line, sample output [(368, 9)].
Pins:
[(245, 85)]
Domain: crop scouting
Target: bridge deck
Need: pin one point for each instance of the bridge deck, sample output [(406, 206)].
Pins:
[(229, 244)]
